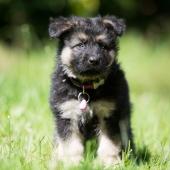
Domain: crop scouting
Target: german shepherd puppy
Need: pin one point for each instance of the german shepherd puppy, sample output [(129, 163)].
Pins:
[(89, 93)]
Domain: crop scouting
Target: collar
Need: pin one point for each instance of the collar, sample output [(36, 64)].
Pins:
[(94, 84)]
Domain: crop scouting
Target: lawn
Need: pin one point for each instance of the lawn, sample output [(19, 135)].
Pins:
[(26, 123)]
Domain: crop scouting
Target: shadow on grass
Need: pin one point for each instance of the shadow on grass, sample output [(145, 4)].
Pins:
[(142, 155)]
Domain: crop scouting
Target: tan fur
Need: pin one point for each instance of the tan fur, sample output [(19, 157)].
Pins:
[(78, 37), (66, 56), (108, 149), (107, 21), (101, 37), (71, 110), (112, 54), (103, 108), (82, 36), (69, 151)]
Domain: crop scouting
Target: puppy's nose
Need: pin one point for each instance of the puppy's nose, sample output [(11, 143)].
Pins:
[(93, 61)]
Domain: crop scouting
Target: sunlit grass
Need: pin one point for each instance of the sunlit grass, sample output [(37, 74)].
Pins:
[(26, 123)]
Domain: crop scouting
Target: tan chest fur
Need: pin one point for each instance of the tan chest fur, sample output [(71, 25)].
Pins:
[(102, 108)]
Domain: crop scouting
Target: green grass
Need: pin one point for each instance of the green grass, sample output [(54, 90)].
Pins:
[(26, 123)]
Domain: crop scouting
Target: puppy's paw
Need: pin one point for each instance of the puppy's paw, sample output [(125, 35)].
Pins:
[(109, 153), (65, 161), (69, 152), (108, 160), (75, 160)]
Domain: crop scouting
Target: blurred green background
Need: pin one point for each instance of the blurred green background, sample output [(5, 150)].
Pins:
[(27, 57), (25, 21)]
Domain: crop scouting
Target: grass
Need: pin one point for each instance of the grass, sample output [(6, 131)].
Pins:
[(26, 123)]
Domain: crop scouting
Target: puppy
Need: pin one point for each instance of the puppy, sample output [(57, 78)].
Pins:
[(89, 93)]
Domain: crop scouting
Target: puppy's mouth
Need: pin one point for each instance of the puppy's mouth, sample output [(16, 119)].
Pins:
[(90, 72)]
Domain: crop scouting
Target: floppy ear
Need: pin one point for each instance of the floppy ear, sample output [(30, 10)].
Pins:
[(58, 26), (117, 24)]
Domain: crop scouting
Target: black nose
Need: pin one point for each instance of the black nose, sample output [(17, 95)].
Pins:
[(93, 61)]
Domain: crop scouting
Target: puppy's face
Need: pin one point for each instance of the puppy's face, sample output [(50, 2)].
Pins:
[(88, 46)]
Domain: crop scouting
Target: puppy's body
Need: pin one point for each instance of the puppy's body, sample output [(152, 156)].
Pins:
[(87, 55)]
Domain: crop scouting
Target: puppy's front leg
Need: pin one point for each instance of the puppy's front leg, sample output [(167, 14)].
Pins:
[(109, 146), (69, 146)]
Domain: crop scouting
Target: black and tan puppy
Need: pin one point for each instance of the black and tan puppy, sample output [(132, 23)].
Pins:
[(89, 94)]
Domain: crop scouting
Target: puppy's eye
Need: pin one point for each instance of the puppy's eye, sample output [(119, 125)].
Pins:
[(80, 45), (103, 46)]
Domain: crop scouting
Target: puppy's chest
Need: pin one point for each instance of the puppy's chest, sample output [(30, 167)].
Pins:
[(71, 109)]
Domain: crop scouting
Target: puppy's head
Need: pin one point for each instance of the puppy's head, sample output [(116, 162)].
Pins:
[(87, 46)]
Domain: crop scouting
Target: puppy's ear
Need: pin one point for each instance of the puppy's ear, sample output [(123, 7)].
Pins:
[(116, 24), (59, 26)]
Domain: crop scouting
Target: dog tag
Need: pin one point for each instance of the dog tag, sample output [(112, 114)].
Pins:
[(83, 105)]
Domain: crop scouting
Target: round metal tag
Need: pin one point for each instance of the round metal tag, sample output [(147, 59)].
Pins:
[(83, 95)]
